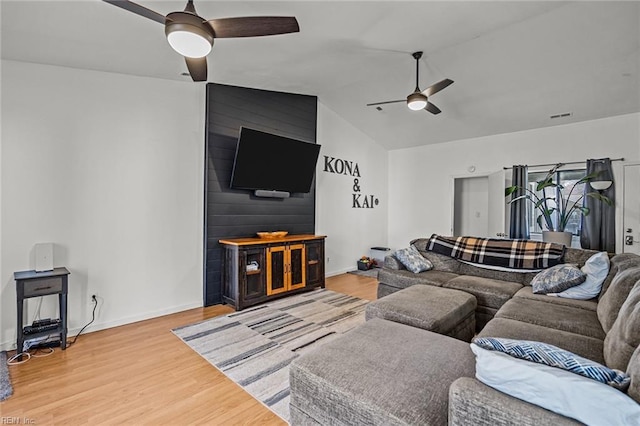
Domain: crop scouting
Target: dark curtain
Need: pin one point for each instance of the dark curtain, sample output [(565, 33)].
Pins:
[(599, 226), (519, 227)]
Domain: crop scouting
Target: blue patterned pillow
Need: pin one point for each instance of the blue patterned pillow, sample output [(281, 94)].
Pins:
[(553, 356), (411, 258), (557, 278)]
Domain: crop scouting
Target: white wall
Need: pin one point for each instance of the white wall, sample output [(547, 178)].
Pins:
[(109, 168), (351, 232), (420, 188)]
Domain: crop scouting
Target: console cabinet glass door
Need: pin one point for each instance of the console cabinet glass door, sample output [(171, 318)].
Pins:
[(297, 266), (252, 280), (287, 268), (315, 263), (277, 272)]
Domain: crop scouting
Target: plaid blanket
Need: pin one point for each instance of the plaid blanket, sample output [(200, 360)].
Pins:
[(514, 254)]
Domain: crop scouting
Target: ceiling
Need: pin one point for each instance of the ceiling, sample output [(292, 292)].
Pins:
[(514, 63)]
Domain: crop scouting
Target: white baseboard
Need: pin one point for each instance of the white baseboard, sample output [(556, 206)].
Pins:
[(339, 272), (97, 326)]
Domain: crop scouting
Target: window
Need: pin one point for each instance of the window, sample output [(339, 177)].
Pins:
[(567, 179)]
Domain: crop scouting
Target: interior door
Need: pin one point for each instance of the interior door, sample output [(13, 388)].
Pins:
[(471, 207), (498, 207), (631, 209)]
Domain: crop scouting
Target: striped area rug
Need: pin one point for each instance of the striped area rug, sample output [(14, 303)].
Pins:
[(254, 347)]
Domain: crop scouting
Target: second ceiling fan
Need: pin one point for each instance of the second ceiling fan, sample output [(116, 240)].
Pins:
[(193, 36), (420, 99)]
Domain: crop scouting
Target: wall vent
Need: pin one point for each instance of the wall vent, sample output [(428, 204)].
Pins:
[(564, 114)]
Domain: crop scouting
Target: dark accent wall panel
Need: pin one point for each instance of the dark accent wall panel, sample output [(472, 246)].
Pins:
[(231, 213)]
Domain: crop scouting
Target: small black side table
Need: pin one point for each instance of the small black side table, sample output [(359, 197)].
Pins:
[(36, 284)]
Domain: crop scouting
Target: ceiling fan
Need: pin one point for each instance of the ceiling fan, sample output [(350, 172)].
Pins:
[(420, 99), (193, 36)]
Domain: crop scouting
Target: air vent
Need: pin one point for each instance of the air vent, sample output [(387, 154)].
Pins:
[(563, 115)]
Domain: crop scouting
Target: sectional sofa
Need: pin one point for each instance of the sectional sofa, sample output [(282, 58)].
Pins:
[(330, 386)]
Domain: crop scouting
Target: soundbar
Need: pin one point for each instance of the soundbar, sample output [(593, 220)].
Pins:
[(271, 194)]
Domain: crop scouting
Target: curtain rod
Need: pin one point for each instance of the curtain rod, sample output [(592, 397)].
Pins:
[(553, 164)]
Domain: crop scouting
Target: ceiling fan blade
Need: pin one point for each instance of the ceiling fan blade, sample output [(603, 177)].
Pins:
[(432, 108), (197, 68), (387, 102), (431, 90), (254, 26), (138, 10)]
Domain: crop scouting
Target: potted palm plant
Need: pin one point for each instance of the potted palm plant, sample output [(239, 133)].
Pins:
[(556, 208)]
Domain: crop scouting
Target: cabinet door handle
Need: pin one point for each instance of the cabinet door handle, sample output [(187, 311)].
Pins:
[(41, 288)]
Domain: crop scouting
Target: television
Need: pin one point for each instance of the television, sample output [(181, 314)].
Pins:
[(273, 165)]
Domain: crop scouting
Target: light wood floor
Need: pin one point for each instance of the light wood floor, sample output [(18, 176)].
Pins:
[(141, 374)]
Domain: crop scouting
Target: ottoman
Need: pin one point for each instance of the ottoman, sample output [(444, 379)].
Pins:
[(441, 310), (380, 373)]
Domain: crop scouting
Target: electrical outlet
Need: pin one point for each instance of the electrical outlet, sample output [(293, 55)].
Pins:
[(92, 299)]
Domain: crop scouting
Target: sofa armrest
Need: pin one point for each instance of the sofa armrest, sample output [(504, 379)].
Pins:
[(473, 402), (390, 262)]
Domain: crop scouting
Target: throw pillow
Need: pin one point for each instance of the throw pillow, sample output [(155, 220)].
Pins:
[(560, 391), (411, 258), (543, 353), (557, 278), (596, 269)]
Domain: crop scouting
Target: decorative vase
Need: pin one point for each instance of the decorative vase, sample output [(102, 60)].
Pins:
[(557, 237)]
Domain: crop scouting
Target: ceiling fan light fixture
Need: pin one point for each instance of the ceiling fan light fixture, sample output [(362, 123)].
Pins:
[(189, 44), (188, 34), (416, 101)]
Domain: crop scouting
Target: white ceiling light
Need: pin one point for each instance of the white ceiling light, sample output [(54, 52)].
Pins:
[(189, 44), (416, 101), (188, 34)]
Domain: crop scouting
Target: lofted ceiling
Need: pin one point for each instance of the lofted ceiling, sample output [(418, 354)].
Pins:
[(514, 63)]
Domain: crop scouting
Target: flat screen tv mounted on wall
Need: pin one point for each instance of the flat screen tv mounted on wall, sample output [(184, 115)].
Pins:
[(273, 165)]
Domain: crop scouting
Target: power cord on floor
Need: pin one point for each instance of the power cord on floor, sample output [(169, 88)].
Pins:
[(36, 354), (93, 318)]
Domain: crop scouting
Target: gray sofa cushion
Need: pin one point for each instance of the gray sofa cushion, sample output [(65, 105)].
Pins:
[(473, 403), (619, 262), (577, 257), (527, 293), (624, 337), (611, 302), (559, 317), (489, 292), (390, 262), (468, 269), (439, 261), (588, 347), (403, 278), (633, 370), (381, 373)]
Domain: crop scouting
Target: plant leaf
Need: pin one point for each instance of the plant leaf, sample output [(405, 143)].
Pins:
[(541, 201), (510, 190), (599, 196), (545, 184), (526, 196), (585, 210)]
